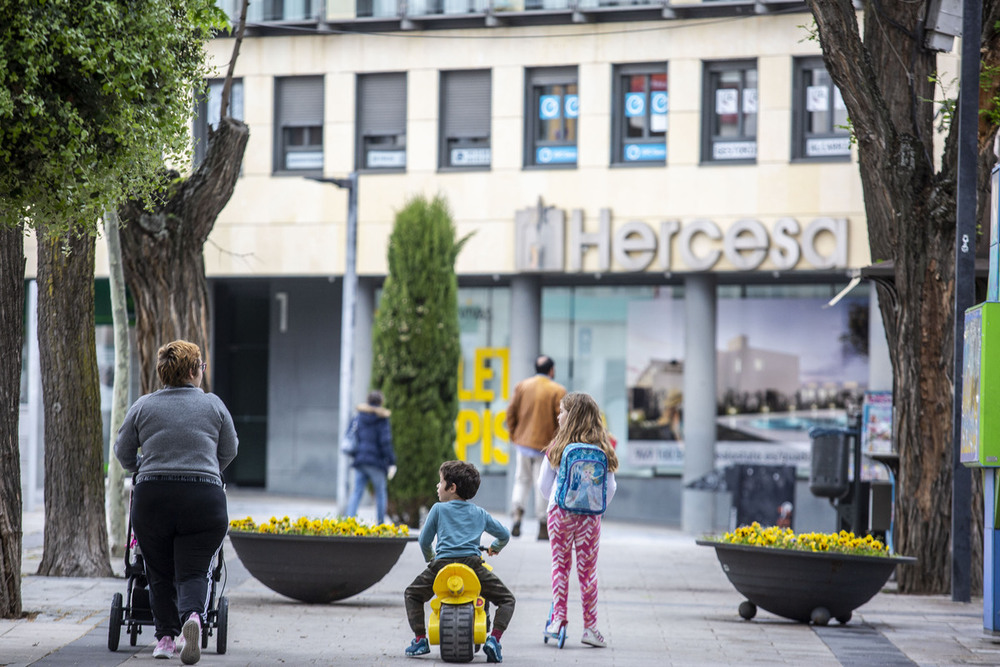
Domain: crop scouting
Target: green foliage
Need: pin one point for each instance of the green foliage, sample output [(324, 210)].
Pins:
[(416, 350), (947, 107), (94, 96), (988, 75)]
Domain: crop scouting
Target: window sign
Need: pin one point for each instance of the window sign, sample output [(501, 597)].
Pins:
[(470, 157), (386, 159), (828, 147), (548, 107), (725, 101), (556, 155), (572, 104), (817, 98), (304, 160), (749, 100), (635, 104), (734, 150), (645, 152)]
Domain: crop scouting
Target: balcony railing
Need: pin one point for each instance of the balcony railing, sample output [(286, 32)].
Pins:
[(265, 13)]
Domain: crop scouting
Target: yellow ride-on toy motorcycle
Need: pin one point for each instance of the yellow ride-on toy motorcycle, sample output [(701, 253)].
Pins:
[(459, 620)]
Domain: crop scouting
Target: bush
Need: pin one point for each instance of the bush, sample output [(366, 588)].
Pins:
[(416, 351)]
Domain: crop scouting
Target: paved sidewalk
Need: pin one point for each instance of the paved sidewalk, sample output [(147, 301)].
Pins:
[(663, 600)]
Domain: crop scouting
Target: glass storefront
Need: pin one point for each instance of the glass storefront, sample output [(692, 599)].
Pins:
[(787, 361)]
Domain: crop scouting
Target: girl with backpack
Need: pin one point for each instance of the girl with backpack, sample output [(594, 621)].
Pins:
[(579, 481)]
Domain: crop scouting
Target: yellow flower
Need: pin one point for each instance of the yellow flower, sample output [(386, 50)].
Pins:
[(784, 538), (324, 526)]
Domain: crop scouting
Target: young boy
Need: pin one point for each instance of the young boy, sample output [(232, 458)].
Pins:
[(458, 526)]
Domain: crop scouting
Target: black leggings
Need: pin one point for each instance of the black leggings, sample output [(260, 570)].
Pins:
[(180, 527)]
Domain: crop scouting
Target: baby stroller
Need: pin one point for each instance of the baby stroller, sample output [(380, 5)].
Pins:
[(134, 611)]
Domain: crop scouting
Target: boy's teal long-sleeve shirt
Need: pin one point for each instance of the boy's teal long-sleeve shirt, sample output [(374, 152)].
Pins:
[(459, 525)]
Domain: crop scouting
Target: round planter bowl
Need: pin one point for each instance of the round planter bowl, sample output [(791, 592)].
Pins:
[(795, 584), (317, 568)]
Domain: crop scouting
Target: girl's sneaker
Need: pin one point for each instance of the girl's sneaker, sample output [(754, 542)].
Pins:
[(592, 637), (554, 626), (164, 648)]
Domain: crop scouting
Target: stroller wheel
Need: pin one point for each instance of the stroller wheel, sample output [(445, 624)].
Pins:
[(115, 622), (133, 635), (222, 625)]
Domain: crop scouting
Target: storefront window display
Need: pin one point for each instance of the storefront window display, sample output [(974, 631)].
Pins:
[(786, 361)]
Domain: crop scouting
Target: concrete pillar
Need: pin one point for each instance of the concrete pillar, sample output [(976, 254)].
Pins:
[(698, 507), (525, 340), (364, 320)]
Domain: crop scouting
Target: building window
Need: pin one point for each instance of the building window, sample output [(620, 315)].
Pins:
[(553, 107), (819, 123), (208, 111), (299, 125), (639, 115), (729, 116), (381, 121), (465, 119)]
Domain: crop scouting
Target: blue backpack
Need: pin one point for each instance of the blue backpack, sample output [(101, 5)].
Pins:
[(582, 482)]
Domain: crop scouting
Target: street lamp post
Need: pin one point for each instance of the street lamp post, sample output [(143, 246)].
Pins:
[(348, 299)]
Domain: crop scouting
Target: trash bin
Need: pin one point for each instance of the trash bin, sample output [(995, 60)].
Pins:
[(830, 453)]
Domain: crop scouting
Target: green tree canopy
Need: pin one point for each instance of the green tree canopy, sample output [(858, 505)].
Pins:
[(94, 95)]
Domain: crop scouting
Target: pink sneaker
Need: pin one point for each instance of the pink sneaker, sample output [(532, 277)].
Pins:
[(164, 648), (191, 653)]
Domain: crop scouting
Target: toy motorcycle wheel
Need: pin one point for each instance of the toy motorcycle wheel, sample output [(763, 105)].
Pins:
[(457, 627)]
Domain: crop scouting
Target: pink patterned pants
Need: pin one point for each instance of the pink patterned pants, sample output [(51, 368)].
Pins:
[(582, 531)]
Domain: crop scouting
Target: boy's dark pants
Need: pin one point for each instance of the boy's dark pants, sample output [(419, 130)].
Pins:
[(422, 589)]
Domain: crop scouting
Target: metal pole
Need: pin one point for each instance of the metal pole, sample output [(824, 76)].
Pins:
[(965, 266), (348, 299)]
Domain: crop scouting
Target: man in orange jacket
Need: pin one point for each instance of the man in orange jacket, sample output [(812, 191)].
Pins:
[(532, 422)]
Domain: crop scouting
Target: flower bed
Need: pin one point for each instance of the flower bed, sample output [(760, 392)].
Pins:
[(783, 538), (317, 560), (811, 577)]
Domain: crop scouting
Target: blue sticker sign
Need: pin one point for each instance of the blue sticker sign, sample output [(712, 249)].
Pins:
[(635, 104), (658, 102), (548, 107), (572, 106), (645, 152), (555, 155)]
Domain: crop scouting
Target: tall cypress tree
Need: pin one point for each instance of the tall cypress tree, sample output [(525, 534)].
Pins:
[(416, 350)]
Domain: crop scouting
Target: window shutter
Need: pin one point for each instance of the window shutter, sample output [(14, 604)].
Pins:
[(382, 106), (300, 101), (465, 98)]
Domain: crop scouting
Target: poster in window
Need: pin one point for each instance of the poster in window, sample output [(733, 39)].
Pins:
[(572, 106), (635, 104), (749, 100), (549, 107), (817, 99), (876, 422), (726, 101)]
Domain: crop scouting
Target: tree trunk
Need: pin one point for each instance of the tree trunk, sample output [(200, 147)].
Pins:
[(117, 496), (11, 341), (76, 537), (162, 251), (885, 83)]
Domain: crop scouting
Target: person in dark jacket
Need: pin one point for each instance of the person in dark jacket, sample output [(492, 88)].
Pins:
[(370, 437)]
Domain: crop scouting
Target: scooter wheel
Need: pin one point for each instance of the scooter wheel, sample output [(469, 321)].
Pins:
[(562, 635)]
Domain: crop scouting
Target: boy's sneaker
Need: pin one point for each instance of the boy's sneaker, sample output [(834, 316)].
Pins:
[(164, 648), (592, 637), (418, 647), (191, 653), (492, 649)]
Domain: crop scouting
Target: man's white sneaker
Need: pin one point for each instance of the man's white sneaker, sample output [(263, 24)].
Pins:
[(191, 653), (164, 648), (592, 637)]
